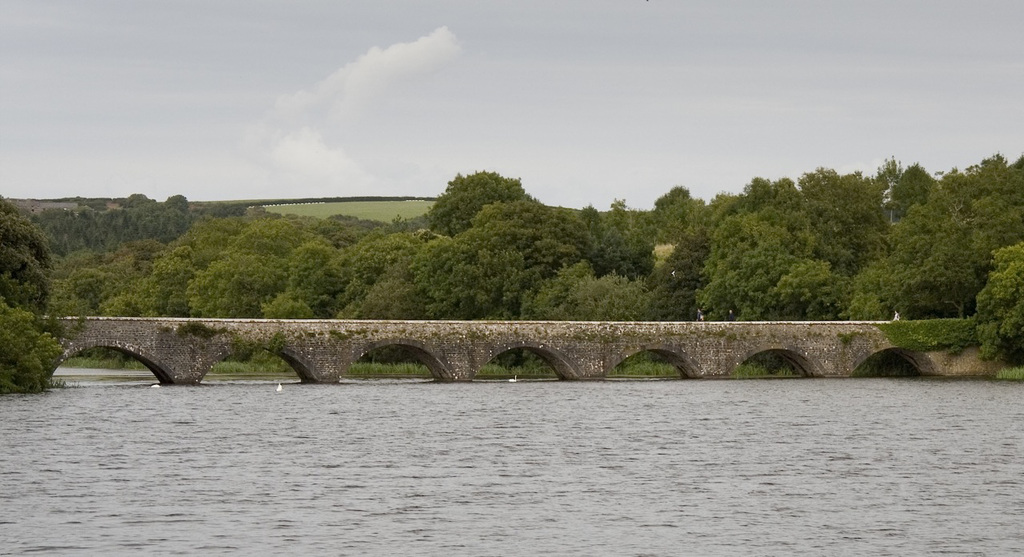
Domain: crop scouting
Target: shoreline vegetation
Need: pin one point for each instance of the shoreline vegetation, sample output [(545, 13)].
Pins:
[(1011, 374)]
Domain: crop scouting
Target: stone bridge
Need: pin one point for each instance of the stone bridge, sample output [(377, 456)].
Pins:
[(321, 351)]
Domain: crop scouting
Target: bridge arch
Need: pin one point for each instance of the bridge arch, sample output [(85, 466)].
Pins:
[(299, 363), (145, 357), (801, 364), (563, 366), (439, 369), (676, 357), (921, 361)]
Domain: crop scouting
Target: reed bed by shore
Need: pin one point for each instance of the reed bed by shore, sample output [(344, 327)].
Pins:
[(1011, 374)]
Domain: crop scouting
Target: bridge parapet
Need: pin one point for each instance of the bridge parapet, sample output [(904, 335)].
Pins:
[(184, 350)]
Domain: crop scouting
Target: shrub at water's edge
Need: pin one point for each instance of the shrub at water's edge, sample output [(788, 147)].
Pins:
[(28, 343), (1011, 374), (1001, 307), (27, 351)]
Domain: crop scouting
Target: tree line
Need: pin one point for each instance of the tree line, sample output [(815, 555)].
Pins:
[(824, 246)]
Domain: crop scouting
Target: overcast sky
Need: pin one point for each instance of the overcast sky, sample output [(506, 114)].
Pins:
[(586, 101)]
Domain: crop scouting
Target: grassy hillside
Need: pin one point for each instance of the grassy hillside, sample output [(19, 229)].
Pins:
[(384, 211)]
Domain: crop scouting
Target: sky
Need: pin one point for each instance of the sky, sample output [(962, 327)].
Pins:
[(586, 101)]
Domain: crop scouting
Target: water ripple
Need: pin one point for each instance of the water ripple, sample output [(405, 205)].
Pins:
[(879, 467)]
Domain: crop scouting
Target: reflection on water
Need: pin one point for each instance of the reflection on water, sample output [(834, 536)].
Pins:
[(384, 467), (80, 376), (71, 374)]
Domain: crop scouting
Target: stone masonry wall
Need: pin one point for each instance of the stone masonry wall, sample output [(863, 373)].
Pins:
[(184, 350)]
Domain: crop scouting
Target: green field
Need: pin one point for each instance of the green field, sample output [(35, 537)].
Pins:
[(384, 211)]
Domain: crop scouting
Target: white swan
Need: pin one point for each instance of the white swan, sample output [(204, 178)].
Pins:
[(154, 386), (279, 387), (514, 379)]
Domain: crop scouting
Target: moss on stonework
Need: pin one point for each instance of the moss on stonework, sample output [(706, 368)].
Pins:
[(847, 338), (249, 346), (200, 330)]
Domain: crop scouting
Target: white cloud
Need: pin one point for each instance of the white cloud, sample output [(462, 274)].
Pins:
[(356, 83), (304, 154), (298, 144)]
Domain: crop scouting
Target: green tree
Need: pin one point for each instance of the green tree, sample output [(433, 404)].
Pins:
[(271, 237), (462, 280), (340, 231), (377, 257), (780, 202), (1000, 315), (314, 277), (287, 305), (137, 218), (845, 214), (90, 283), (933, 270), (553, 299), (547, 237), (24, 260), (168, 281), (27, 351), (904, 188), (621, 241), (79, 287), (485, 271), (675, 284), (749, 256), (162, 293), (208, 238), (250, 272), (810, 290), (677, 213), (575, 294), (610, 298), (393, 297), (866, 294), (237, 285), (942, 250), (454, 210)]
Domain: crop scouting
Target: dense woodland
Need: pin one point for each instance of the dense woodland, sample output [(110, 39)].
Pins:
[(827, 246)]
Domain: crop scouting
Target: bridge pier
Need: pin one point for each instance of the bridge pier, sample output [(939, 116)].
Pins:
[(314, 366), (591, 363), (462, 363)]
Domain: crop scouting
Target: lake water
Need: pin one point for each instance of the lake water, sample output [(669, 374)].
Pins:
[(692, 467)]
